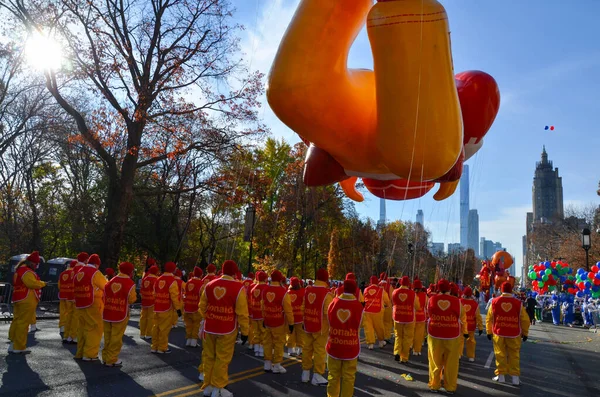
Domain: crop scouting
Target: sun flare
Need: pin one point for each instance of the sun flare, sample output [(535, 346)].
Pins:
[(43, 52)]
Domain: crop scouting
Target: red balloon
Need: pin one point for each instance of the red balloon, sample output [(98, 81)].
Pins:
[(595, 269), (321, 169), (552, 128), (581, 285), (591, 276), (553, 265), (397, 189), (597, 281), (479, 102)]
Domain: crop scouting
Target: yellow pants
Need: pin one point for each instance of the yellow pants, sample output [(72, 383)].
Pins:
[(163, 322), (341, 375), (404, 339), (192, 324), (388, 323), (66, 316), (217, 354), (73, 326), (113, 340), (471, 343), (256, 337), (313, 352), (90, 331), (146, 321), (507, 351), (419, 337), (22, 313), (273, 343), (296, 338), (175, 318), (443, 356), (373, 324)]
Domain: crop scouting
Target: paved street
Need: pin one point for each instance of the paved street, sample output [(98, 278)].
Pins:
[(556, 361)]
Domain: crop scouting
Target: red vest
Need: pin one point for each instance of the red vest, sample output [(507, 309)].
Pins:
[(65, 285), (420, 316), (471, 308), (272, 298), (222, 295), (373, 299), (207, 279), (84, 287), (179, 284), (444, 317), (20, 290), (116, 299), (314, 299), (507, 317), (162, 297), (255, 298), (147, 290), (403, 301), (344, 328), (296, 297), (247, 284), (192, 295)]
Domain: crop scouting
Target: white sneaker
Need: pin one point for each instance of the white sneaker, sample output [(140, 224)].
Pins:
[(75, 340), (268, 367), (261, 352), (188, 342), (305, 376), (250, 347), (143, 337), (318, 380), (11, 347), (382, 344), (221, 393), (256, 350), (370, 347), (499, 378), (471, 360), (299, 351), (208, 391), (516, 381), (201, 377), (291, 351), (33, 328), (194, 342), (278, 369)]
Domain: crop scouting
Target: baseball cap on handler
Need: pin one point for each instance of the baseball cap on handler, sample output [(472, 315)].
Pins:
[(34, 257), (373, 280), (349, 286), (295, 282), (322, 275), (170, 267), (153, 270), (261, 276), (468, 292), (229, 268), (83, 257), (211, 268), (417, 284), (405, 282), (94, 260), (198, 272), (506, 288), (443, 285), (125, 268), (276, 276)]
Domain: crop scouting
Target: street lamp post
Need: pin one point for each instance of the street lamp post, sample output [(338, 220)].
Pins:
[(586, 243), (249, 231)]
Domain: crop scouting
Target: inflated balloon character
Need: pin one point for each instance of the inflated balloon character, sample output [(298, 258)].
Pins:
[(398, 127)]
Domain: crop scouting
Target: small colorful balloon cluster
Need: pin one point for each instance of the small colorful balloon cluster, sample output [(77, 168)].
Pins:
[(546, 275), (588, 283), (551, 128)]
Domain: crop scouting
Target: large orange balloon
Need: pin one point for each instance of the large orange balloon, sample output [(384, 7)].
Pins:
[(502, 257)]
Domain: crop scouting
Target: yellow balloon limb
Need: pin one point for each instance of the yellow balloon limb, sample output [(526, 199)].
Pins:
[(419, 123), (312, 91), (446, 190), (349, 188)]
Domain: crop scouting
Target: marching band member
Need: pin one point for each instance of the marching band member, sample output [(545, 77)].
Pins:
[(507, 323), (474, 322), (343, 344), (119, 293), (223, 305), (147, 293), (317, 299), (25, 298)]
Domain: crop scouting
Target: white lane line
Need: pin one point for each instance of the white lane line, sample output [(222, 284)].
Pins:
[(488, 363)]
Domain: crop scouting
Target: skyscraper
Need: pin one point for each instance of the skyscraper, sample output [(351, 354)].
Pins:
[(464, 207), (421, 218), (473, 231), (381, 221), (547, 191)]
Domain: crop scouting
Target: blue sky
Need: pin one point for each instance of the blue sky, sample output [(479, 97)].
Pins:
[(545, 56)]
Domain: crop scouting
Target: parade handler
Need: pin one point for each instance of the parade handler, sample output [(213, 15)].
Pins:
[(474, 322), (25, 298), (405, 306), (167, 304), (343, 345), (420, 318), (376, 300), (66, 296), (296, 338), (147, 293), (119, 293), (191, 314), (507, 323), (447, 322), (223, 306), (89, 286)]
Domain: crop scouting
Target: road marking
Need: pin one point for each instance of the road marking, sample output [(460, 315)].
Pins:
[(488, 363)]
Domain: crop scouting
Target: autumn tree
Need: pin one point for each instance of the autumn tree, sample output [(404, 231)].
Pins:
[(334, 265), (161, 81)]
